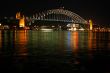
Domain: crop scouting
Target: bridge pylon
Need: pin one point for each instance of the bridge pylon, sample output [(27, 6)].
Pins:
[(21, 19), (91, 24)]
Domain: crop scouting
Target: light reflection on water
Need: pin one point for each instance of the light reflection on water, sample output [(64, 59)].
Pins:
[(21, 42), (63, 51)]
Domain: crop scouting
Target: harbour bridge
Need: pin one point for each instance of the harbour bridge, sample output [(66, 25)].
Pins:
[(57, 15)]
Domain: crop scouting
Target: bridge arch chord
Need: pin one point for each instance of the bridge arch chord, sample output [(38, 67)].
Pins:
[(76, 18)]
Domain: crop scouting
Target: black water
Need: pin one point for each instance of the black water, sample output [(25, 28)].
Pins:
[(54, 51)]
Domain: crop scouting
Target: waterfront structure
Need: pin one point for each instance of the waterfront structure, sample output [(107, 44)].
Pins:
[(91, 24), (22, 22), (61, 17), (18, 15), (21, 19)]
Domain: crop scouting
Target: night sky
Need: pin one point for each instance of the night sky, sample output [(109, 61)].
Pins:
[(97, 10)]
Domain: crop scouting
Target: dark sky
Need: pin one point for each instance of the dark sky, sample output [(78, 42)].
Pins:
[(97, 10)]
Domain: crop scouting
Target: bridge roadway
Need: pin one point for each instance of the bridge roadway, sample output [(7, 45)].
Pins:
[(54, 20)]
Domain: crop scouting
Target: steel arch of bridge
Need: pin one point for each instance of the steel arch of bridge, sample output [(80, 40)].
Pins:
[(75, 17)]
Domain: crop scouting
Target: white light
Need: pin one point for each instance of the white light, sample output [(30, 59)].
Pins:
[(82, 29), (53, 26), (68, 25), (70, 29), (0, 24), (46, 30), (74, 29)]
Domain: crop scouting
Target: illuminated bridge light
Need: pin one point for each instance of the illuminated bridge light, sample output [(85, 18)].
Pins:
[(18, 16), (60, 15), (22, 22), (90, 22)]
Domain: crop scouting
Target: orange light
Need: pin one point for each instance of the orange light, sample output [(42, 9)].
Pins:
[(22, 39), (0, 39), (22, 22), (90, 40), (18, 16), (74, 42)]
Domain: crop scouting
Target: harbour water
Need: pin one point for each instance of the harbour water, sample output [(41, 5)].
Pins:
[(54, 51)]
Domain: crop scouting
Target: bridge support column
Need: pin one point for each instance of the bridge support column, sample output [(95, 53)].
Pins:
[(91, 24), (21, 19), (22, 22)]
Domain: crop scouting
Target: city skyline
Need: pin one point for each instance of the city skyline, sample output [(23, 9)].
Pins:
[(92, 9)]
